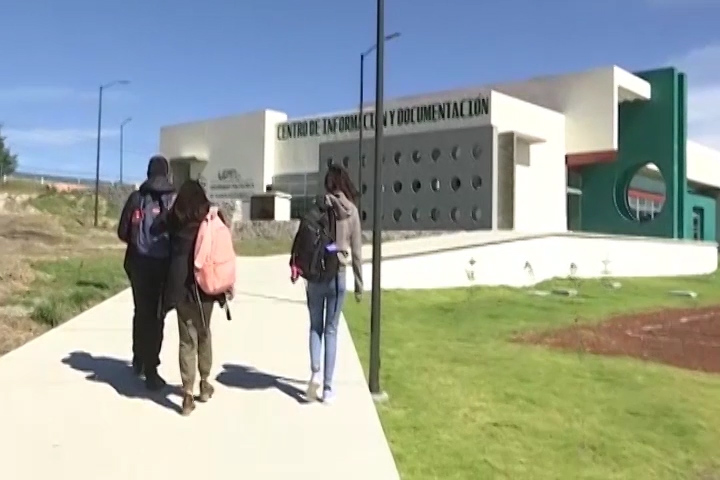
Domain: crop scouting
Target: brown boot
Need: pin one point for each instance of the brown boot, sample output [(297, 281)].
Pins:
[(206, 391), (188, 404)]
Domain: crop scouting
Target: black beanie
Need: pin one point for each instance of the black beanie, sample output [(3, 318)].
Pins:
[(157, 166)]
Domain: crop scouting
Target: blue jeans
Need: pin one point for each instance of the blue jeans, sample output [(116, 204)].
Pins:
[(325, 301)]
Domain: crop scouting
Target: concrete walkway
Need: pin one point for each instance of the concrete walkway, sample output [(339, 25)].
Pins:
[(71, 409)]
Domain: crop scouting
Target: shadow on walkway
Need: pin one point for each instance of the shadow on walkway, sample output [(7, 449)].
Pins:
[(248, 378), (119, 375)]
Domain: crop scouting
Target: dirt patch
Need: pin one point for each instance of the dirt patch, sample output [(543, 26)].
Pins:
[(16, 328), (685, 338)]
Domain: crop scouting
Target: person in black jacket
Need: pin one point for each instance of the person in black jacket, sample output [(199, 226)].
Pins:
[(146, 275), (194, 307)]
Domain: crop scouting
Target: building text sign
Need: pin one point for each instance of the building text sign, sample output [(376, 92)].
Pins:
[(460, 109), (228, 184)]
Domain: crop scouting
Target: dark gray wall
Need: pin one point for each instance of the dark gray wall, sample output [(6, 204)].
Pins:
[(431, 181)]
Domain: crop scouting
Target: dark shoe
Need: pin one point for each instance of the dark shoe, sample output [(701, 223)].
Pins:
[(153, 381), (137, 366), (206, 391), (188, 404)]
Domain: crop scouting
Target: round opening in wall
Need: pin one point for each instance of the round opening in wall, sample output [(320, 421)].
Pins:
[(397, 186), (476, 182), (455, 214), (476, 214), (435, 214), (416, 156), (416, 185), (363, 189), (435, 155), (477, 151), (346, 162), (644, 194), (455, 184), (435, 184), (397, 157), (329, 162), (456, 152), (415, 214), (397, 214)]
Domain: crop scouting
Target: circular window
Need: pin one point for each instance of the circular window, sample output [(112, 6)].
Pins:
[(477, 151), (435, 155), (397, 186), (398, 157), (645, 194), (397, 214), (416, 156), (329, 162), (434, 214), (415, 214), (455, 214), (456, 152), (476, 182), (455, 184), (416, 185), (476, 214), (346, 162), (435, 184), (363, 189)]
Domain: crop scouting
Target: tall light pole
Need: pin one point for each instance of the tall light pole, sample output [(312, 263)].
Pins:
[(122, 144), (361, 125), (374, 376), (99, 128)]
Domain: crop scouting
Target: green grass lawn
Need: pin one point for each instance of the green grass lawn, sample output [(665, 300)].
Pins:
[(257, 247), (466, 403), (64, 288)]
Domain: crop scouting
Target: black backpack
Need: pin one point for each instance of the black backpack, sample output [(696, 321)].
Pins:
[(149, 208), (309, 252)]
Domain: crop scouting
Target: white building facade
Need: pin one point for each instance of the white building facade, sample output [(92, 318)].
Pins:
[(491, 157)]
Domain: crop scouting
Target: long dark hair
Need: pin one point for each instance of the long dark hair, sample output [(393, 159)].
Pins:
[(191, 204), (337, 179)]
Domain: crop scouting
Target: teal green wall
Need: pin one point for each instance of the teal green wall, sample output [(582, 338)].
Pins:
[(649, 131), (708, 205)]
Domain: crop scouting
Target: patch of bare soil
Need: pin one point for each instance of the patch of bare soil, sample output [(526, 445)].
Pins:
[(685, 338)]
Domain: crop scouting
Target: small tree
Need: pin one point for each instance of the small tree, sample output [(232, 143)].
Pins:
[(8, 161)]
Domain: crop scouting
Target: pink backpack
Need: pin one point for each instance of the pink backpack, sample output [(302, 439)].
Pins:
[(214, 256)]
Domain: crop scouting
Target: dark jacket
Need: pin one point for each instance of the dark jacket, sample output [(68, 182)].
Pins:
[(180, 283), (156, 186)]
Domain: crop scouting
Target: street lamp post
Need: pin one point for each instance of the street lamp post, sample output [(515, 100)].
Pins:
[(374, 376), (361, 125), (122, 143), (99, 128)]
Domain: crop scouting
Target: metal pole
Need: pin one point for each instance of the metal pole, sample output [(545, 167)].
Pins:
[(374, 377), (360, 135), (122, 128), (97, 157)]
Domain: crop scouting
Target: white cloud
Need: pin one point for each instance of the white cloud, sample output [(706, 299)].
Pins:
[(55, 137), (702, 67), (45, 94)]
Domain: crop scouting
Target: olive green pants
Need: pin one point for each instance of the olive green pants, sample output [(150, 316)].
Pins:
[(195, 342)]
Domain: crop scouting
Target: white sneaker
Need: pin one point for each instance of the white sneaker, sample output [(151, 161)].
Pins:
[(328, 397), (313, 388)]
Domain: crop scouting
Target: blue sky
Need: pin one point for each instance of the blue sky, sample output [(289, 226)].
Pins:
[(192, 59)]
